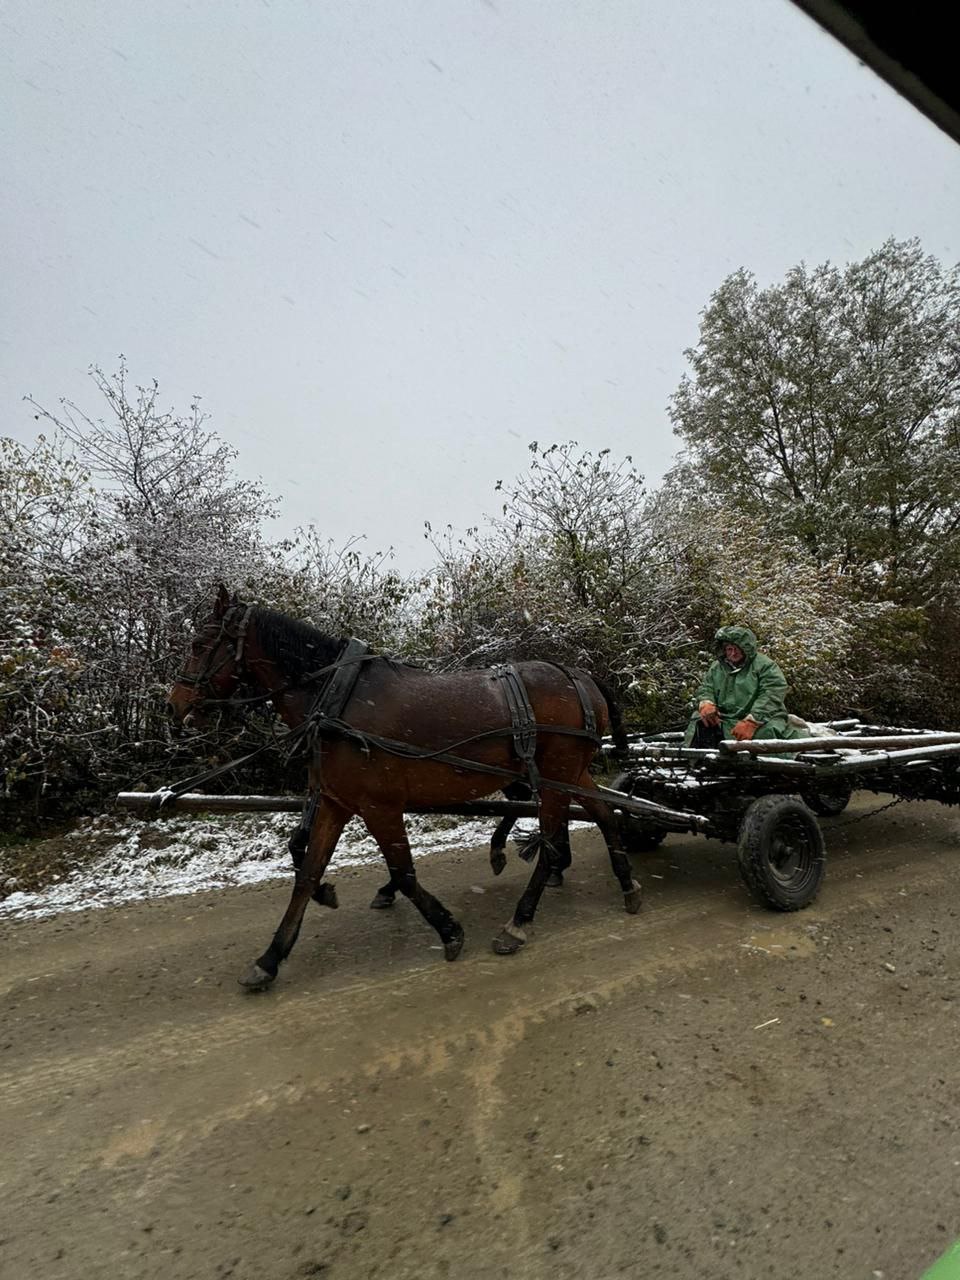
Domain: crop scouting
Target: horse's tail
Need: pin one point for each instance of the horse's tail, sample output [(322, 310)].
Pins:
[(617, 730)]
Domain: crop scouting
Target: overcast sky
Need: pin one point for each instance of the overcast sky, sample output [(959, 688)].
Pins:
[(390, 242)]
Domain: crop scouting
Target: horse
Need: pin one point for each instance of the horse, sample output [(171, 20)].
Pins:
[(406, 737)]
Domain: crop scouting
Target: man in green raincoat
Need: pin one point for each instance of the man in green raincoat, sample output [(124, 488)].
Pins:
[(741, 696)]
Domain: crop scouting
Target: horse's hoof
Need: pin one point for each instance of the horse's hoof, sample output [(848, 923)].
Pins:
[(498, 861), (632, 899), (326, 896), (381, 902), (555, 880), (256, 979), (507, 942), (453, 946)]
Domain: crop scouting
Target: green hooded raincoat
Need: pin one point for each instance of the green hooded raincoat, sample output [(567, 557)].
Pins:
[(756, 688)]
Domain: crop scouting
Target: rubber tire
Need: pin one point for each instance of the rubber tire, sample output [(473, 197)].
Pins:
[(827, 804), (638, 835), (762, 831)]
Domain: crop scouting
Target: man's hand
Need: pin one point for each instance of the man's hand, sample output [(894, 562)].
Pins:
[(709, 714), (744, 730)]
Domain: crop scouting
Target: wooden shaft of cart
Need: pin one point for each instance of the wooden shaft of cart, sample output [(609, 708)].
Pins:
[(192, 802)]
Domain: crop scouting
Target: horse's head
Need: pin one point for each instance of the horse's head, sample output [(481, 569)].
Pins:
[(214, 668)]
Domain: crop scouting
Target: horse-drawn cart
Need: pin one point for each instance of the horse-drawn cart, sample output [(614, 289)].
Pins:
[(767, 795), (382, 739)]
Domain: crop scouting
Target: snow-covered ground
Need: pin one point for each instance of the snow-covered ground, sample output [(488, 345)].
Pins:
[(179, 855)]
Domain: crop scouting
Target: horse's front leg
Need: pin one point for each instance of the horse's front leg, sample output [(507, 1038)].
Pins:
[(324, 894), (325, 831), (603, 816), (388, 829), (554, 810), (386, 895)]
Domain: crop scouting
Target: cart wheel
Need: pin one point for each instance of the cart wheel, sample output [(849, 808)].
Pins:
[(827, 803), (639, 835), (781, 852)]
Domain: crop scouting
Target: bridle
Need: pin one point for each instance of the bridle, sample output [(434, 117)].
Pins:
[(202, 680)]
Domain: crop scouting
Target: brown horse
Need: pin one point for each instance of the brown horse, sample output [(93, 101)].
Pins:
[(378, 760)]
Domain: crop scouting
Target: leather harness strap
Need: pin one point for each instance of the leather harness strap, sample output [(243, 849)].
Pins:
[(575, 678), (523, 722), (331, 703)]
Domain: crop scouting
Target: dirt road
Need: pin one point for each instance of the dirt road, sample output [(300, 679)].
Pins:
[(705, 1089)]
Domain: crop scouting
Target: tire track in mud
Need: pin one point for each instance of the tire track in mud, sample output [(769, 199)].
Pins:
[(185, 1092), (281, 1018)]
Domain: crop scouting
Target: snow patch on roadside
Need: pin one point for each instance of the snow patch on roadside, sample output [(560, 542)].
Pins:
[(185, 855)]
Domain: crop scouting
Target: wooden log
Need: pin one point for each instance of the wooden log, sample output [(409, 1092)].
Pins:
[(791, 746), (855, 762)]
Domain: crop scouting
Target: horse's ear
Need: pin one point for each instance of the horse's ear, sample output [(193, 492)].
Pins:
[(222, 603)]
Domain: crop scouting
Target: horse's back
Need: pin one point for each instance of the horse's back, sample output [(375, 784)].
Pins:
[(394, 700)]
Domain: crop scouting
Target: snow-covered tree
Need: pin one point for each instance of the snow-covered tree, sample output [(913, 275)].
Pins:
[(569, 571), (827, 408), (112, 541), (47, 512), (344, 591), (173, 522)]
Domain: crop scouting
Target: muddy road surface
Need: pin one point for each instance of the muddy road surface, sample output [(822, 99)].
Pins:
[(704, 1089)]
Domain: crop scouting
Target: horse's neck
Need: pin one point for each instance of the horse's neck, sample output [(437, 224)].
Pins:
[(291, 698), (293, 706)]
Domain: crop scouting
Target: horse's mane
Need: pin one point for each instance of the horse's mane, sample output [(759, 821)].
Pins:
[(299, 648), (296, 647)]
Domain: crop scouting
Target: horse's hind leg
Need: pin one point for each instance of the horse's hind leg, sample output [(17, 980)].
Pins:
[(518, 790), (324, 833), (386, 894), (553, 818), (603, 816), (562, 861), (390, 833), (498, 844)]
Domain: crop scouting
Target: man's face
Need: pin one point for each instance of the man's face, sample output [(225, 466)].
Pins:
[(733, 654)]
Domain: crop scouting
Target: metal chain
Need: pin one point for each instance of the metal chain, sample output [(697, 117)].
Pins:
[(871, 813)]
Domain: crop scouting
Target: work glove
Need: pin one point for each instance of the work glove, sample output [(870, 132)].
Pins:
[(709, 714), (744, 730)]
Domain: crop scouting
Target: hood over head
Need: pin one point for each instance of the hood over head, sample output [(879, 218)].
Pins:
[(741, 636)]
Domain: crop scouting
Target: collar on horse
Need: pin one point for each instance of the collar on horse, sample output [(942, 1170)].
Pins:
[(336, 692)]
